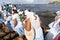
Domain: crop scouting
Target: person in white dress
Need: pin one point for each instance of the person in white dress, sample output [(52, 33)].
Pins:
[(35, 22), (54, 28), (28, 28), (38, 30), (18, 25)]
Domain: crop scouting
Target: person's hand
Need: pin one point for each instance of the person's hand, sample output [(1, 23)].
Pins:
[(35, 17), (23, 24)]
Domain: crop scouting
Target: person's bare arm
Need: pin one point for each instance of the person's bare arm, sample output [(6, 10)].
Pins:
[(28, 25), (15, 22), (23, 24)]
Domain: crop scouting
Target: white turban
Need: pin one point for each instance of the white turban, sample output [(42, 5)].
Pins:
[(29, 15), (58, 12), (18, 10), (26, 12)]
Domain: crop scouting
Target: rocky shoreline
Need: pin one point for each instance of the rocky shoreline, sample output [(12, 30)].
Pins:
[(47, 17)]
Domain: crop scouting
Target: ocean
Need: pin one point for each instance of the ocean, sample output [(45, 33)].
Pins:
[(39, 7), (44, 9)]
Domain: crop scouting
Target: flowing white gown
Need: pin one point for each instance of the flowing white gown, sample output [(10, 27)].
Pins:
[(36, 25), (38, 29)]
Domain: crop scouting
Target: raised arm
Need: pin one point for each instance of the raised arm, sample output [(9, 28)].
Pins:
[(15, 22)]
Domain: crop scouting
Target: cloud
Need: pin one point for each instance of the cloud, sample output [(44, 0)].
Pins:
[(29, 1)]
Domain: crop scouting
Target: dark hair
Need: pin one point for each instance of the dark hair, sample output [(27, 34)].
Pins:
[(7, 4), (24, 14), (29, 10), (15, 5), (15, 11), (59, 23)]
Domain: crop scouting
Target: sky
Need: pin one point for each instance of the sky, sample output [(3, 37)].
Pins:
[(27, 1)]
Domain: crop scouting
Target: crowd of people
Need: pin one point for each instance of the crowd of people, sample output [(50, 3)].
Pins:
[(30, 26)]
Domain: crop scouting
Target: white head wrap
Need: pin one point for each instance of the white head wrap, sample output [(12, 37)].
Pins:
[(18, 10), (29, 14), (58, 12), (26, 12)]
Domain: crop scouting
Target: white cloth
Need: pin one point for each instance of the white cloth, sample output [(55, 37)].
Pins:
[(19, 28), (51, 25), (35, 24), (18, 10), (57, 23), (58, 12), (9, 18), (0, 8), (55, 29), (26, 12), (37, 27), (16, 16), (29, 34), (29, 15)]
